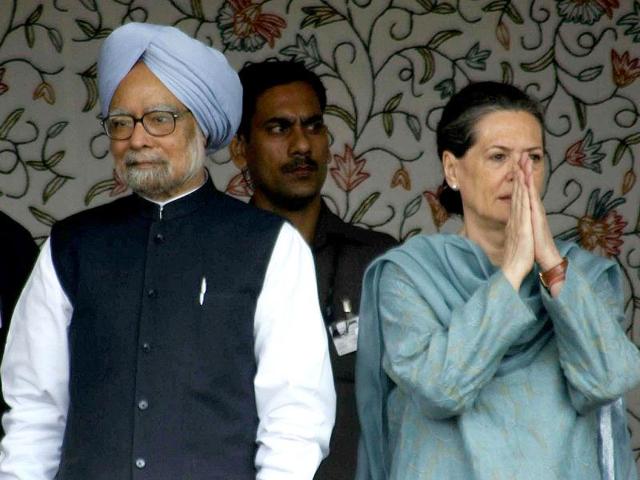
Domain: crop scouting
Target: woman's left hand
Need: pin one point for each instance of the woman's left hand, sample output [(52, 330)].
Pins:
[(546, 253)]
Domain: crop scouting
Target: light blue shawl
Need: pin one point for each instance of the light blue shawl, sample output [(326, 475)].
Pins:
[(453, 260)]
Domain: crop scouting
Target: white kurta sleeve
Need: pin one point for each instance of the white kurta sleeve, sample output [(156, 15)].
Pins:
[(35, 377), (295, 396)]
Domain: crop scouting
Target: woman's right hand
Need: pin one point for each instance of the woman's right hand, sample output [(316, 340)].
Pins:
[(519, 251)]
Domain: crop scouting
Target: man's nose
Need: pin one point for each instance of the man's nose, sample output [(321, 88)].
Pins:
[(300, 143), (139, 137)]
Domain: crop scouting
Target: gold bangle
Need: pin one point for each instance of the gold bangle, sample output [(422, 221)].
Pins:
[(554, 274)]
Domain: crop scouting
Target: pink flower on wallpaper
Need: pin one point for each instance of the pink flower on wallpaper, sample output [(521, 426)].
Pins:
[(119, 185), (348, 171), (601, 228), (586, 11), (602, 235), (625, 68), (244, 27), (3, 86), (584, 153), (608, 6), (238, 186)]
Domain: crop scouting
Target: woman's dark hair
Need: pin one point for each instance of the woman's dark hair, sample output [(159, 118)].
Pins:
[(456, 129), (256, 78)]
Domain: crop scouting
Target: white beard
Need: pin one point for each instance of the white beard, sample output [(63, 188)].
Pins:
[(160, 180)]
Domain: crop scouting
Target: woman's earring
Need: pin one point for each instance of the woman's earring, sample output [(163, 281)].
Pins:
[(454, 187)]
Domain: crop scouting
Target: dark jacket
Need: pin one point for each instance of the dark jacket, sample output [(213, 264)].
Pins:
[(18, 253), (342, 252), (161, 375)]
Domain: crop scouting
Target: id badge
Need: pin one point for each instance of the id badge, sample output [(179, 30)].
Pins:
[(344, 334)]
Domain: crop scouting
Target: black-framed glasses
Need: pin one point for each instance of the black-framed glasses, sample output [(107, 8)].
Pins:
[(157, 123)]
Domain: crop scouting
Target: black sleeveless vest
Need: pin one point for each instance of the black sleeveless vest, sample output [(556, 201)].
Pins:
[(161, 338)]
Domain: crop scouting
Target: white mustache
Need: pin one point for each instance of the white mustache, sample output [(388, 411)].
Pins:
[(132, 158)]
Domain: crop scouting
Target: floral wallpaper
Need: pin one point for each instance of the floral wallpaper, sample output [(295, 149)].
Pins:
[(389, 67)]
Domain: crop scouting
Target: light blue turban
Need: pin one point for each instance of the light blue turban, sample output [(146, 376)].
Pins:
[(199, 76)]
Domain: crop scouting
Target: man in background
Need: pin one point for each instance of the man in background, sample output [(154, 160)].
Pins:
[(283, 146), (174, 333)]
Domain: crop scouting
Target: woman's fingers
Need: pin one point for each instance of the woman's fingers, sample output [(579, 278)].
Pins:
[(519, 246), (546, 253)]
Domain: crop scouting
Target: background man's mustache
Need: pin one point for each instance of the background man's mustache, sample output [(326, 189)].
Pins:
[(300, 162)]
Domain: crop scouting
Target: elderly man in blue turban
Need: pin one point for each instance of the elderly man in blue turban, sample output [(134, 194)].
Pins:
[(174, 333)]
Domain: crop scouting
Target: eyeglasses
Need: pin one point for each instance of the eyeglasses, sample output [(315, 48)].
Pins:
[(157, 123)]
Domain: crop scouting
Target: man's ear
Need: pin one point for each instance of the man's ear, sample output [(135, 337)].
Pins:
[(238, 149), (450, 167)]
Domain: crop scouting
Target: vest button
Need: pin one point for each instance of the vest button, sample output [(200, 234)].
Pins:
[(159, 238), (146, 347), (140, 463), (152, 293), (143, 404)]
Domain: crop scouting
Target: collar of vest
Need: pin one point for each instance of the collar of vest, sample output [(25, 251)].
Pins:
[(177, 208)]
